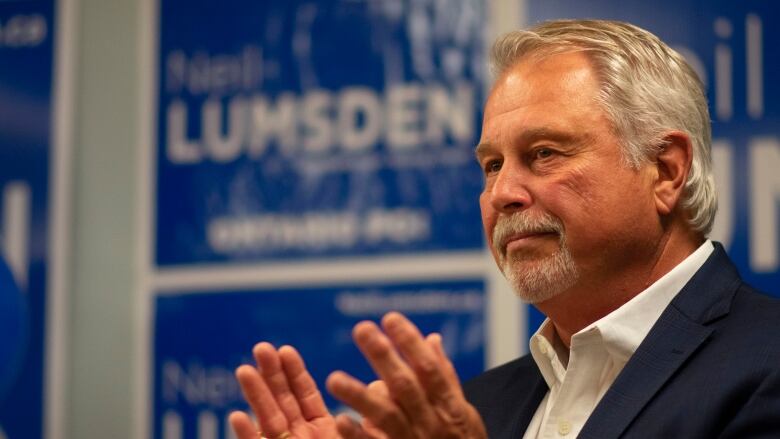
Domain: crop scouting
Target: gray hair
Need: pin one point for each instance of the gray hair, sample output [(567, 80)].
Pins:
[(647, 89)]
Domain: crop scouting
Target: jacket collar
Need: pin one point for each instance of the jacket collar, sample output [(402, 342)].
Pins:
[(679, 331)]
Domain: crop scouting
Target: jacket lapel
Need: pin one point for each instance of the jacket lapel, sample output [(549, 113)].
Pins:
[(677, 334), (656, 359), (512, 401), (528, 407)]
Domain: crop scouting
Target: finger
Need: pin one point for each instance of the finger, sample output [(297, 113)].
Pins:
[(273, 374), (460, 409), (379, 387), (302, 384), (401, 381), (243, 426), (448, 370), (382, 412), (348, 428), (262, 401), (372, 430), (420, 356)]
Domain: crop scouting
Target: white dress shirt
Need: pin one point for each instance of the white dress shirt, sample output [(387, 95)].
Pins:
[(579, 377)]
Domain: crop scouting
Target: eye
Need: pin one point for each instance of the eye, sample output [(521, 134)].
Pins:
[(543, 153), (492, 166)]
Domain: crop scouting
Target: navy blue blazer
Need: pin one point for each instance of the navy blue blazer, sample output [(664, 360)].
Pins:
[(708, 368)]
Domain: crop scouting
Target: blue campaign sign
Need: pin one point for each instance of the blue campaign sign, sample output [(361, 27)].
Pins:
[(13, 329), (307, 128), (201, 338), (26, 57), (732, 47)]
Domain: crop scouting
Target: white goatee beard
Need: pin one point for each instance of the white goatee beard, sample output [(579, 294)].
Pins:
[(535, 280)]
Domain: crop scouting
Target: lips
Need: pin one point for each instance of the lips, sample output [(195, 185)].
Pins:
[(517, 237)]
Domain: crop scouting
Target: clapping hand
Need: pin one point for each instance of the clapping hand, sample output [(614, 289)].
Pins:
[(418, 395), (283, 396)]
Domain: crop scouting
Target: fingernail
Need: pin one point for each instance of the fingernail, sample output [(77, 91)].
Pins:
[(363, 328)]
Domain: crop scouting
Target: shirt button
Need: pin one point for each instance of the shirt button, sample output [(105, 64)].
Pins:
[(564, 428), (543, 348)]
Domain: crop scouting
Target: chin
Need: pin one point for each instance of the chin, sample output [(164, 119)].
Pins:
[(536, 296)]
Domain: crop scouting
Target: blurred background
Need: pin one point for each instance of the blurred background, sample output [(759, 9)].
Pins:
[(181, 179)]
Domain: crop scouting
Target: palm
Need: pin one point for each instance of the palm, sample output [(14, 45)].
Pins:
[(323, 427)]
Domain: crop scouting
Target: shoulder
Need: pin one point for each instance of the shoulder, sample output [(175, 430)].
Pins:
[(756, 312), (743, 347), (758, 303), (741, 318), (753, 322)]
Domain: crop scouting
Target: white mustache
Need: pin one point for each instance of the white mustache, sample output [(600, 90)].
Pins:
[(522, 223)]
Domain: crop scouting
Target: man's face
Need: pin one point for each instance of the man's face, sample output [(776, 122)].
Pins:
[(560, 207)]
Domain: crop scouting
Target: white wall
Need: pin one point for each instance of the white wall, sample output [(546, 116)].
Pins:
[(100, 388)]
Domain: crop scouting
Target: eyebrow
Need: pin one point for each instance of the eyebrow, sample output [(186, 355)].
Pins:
[(532, 135), (482, 149)]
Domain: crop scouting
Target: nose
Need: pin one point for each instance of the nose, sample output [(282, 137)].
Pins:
[(508, 193)]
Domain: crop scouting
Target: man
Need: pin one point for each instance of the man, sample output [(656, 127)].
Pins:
[(597, 202)]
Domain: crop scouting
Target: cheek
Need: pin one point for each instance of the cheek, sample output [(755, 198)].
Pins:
[(489, 216), (608, 200), (576, 192), (590, 202)]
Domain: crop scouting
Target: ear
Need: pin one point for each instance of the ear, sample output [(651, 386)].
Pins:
[(673, 163)]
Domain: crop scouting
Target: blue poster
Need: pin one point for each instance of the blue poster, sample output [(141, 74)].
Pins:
[(201, 338), (299, 129), (13, 328), (26, 57), (732, 46)]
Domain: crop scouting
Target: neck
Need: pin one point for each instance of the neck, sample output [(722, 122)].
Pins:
[(596, 295)]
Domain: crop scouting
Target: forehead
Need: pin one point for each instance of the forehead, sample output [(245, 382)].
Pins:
[(554, 94), (565, 78)]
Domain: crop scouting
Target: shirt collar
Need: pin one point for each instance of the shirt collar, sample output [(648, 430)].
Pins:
[(623, 329), (545, 346)]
